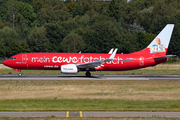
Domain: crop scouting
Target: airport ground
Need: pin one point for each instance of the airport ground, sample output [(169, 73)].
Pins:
[(87, 95), (92, 118)]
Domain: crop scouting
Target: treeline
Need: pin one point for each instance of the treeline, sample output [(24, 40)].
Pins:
[(85, 25)]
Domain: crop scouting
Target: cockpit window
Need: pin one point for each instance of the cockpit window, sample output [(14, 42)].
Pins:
[(13, 58)]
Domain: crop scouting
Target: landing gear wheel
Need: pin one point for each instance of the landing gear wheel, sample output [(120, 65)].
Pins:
[(19, 74), (88, 74)]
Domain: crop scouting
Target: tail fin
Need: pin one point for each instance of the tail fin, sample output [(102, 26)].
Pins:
[(160, 43)]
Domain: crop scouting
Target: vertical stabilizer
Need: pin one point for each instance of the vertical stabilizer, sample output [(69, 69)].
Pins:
[(161, 41)]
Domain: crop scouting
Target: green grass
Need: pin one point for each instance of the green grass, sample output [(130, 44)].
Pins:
[(57, 103), (87, 104)]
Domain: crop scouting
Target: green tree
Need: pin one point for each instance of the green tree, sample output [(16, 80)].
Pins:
[(70, 5), (37, 5), (148, 37), (50, 14), (4, 23), (19, 16), (24, 47), (174, 46), (81, 7), (2, 1), (2, 49), (77, 10), (72, 43), (101, 37), (26, 10), (64, 14), (22, 32), (129, 12), (17, 12), (9, 43), (114, 10), (104, 8), (70, 24), (96, 6), (140, 39), (37, 40), (127, 43), (55, 34), (26, 1)]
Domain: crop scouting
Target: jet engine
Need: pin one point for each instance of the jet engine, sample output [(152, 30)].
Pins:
[(71, 69)]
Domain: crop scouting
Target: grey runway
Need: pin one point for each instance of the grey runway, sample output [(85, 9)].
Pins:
[(90, 114), (94, 77)]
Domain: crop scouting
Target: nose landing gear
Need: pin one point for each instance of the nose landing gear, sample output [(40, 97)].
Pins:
[(88, 74), (20, 74)]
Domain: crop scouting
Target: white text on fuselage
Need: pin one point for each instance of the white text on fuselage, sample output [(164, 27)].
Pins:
[(75, 60)]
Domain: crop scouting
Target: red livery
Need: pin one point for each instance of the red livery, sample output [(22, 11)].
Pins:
[(154, 54)]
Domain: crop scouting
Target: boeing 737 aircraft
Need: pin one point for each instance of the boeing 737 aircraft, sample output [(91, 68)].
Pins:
[(154, 54)]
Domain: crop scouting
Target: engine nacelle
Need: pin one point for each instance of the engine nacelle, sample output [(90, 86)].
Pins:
[(71, 69)]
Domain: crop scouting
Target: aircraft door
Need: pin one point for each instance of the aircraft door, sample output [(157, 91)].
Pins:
[(24, 58), (141, 61)]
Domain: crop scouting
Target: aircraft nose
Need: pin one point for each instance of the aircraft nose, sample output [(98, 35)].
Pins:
[(5, 62)]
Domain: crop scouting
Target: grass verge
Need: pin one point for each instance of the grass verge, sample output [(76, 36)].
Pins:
[(87, 105), (90, 95)]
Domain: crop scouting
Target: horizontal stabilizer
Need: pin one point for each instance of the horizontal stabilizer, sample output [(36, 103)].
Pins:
[(167, 56), (164, 57)]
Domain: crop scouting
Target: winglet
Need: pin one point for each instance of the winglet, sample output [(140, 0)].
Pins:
[(112, 56), (110, 52)]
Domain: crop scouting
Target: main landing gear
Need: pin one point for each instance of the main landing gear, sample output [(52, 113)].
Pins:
[(88, 74)]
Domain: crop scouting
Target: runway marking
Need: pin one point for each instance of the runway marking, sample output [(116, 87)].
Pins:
[(74, 114), (81, 114), (67, 114)]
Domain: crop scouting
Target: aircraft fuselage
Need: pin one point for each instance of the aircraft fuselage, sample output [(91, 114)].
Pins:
[(53, 61)]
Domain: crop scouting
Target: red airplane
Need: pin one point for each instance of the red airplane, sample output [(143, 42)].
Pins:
[(154, 54)]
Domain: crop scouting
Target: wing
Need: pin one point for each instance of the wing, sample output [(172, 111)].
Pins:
[(98, 63)]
